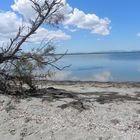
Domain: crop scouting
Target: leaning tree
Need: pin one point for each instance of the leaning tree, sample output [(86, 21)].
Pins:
[(16, 65)]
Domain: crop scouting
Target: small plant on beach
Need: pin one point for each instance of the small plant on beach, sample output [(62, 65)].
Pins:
[(9, 107), (16, 65), (115, 121), (27, 119)]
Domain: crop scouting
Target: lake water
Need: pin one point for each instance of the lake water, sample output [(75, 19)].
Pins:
[(118, 67)]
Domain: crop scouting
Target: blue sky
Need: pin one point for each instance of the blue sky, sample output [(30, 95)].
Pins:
[(125, 25), (125, 22)]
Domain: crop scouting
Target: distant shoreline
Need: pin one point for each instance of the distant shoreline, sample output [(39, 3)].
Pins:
[(113, 52)]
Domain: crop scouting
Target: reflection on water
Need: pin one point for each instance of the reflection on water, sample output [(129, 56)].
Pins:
[(101, 67)]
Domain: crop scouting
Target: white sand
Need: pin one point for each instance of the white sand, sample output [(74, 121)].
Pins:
[(34, 119)]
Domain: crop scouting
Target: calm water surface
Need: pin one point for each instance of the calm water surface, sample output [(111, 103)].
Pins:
[(101, 67)]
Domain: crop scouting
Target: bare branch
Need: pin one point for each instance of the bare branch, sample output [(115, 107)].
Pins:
[(20, 65)]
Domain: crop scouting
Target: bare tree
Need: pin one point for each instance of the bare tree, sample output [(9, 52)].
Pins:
[(17, 65)]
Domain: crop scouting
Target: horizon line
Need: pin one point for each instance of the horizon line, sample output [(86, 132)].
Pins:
[(99, 52)]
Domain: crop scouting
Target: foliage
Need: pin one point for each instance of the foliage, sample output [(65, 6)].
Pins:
[(16, 65)]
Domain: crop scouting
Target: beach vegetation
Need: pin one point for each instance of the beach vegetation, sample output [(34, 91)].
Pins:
[(17, 66)]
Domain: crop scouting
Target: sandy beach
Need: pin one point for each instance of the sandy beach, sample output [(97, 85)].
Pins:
[(73, 111)]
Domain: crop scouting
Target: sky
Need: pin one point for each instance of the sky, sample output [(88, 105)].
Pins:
[(90, 25)]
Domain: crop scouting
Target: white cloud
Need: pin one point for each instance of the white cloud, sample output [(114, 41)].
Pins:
[(23, 7), (73, 17), (88, 21), (10, 22), (28, 12), (44, 34)]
